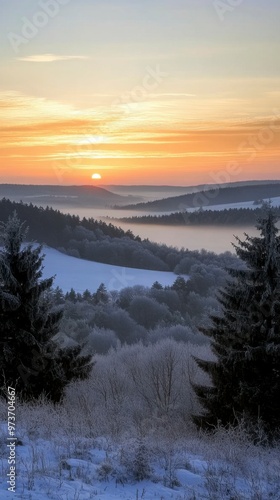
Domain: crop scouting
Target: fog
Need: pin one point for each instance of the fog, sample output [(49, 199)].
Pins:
[(213, 238)]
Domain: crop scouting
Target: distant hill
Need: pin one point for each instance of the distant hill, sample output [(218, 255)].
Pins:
[(227, 217), (150, 188), (221, 195), (80, 196)]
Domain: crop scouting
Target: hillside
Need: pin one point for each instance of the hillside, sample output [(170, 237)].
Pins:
[(220, 195), (88, 275), (99, 242), (239, 216), (80, 196), (85, 238), (154, 192)]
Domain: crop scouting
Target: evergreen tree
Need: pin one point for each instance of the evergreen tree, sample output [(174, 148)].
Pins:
[(157, 286), (101, 296), (245, 376), (72, 296), (30, 359), (140, 463), (87, 295)]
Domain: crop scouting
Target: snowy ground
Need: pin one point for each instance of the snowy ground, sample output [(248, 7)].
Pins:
[(73, 468), (82, 274), (275, 202)]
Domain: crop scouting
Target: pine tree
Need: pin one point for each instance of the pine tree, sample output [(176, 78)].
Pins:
[(140, 463), (30, 359), (101, 296), (245, 376)]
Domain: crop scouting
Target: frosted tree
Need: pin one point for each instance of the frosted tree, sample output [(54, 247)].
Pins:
[(30, 359), (245, 376), (140, 463)]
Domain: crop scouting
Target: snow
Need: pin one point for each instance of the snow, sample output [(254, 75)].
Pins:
[(275, 202), (187, 478), (78, 478), (83, 274), (48, 469)]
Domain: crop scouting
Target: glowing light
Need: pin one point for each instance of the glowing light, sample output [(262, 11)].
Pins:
[(96, 176)]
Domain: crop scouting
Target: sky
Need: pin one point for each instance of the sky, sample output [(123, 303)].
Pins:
[(176, 92)]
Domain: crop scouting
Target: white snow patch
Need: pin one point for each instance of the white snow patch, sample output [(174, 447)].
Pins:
[(83, 274), (275, 202)]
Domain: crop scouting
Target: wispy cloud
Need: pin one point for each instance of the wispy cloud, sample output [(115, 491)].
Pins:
[(171, 94), (42, 58)]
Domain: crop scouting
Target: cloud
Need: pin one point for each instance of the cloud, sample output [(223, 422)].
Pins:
[(41, 58), (172, 94)]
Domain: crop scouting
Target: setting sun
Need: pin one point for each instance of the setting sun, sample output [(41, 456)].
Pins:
[(96, 176)]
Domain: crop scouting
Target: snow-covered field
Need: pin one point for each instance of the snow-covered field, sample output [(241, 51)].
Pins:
[(83, 274), (67, 467)]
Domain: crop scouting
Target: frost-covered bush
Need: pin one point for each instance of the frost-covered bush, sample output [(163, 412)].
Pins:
[(148, 312), (126, 295), (135, 456), (204, 277), (168, 297), (58, 457), (100, 341), (143, 314), (136, 384), (179, 333), (126, 328)]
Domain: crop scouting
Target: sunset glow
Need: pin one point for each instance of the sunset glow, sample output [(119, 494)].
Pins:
[(152, 92)]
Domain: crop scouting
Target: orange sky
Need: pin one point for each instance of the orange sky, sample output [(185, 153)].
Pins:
[(200, 106)]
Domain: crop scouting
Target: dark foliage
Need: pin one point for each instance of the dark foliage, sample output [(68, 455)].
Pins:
[(216, 196), (227, 217), (246, 339), (30, 359)]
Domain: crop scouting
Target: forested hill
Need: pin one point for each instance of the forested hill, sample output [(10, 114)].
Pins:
[(218, 196), (80, 196), (227, 217), (101, 242), (50, 226)]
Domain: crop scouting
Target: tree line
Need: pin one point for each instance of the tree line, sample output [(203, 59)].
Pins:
[(203, 217), (216, 196)]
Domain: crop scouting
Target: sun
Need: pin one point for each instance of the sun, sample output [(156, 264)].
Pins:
[(96, 176)]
